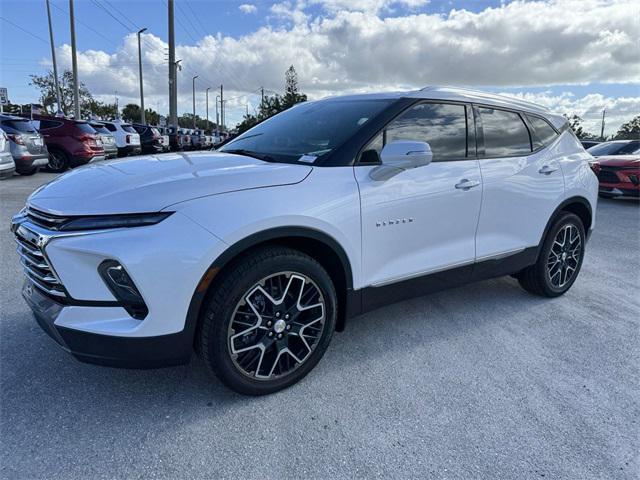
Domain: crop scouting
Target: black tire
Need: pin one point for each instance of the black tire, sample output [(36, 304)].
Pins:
[(29, 172), (58, 161), (232, 293), (541, 278)]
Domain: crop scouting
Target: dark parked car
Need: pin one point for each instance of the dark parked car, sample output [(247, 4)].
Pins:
[(27, 145), (178, 139), (150, 138), (71, 143), (108, 140)]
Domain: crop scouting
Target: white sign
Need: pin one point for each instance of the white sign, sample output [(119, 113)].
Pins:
[(4, 96)]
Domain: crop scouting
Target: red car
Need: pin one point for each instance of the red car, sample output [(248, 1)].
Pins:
[(71, 143), (617, 165)]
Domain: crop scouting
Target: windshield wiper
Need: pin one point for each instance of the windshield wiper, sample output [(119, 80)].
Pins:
[(249, 153)]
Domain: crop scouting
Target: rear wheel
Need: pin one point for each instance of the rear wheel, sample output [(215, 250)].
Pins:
[(58, 161), (269, 321), (559, 261)]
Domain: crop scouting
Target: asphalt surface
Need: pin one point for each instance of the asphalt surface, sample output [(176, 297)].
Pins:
[(484, 381)]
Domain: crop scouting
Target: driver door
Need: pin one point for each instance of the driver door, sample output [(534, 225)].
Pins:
[(424, 219)]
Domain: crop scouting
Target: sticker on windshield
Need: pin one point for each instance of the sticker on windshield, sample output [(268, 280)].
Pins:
[(307, 158)]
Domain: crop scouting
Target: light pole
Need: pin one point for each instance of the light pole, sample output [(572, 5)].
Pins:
[(194, 100), (206, 93), (74, 64), (140, 70), (53, 57)]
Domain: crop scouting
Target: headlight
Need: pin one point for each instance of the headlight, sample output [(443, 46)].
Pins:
[(100, 222)]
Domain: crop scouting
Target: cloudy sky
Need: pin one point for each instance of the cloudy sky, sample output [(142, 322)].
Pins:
[(572, 56)]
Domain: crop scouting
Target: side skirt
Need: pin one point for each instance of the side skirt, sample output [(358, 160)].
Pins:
[(370, 298)]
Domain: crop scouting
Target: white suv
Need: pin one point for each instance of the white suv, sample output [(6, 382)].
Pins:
[(256, 253), (127, 139)]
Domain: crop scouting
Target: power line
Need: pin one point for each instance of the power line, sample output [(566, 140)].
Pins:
[(25, 31)]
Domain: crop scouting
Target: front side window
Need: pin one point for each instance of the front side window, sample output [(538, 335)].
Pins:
[(543, 133), (505, 134), (306, 131)]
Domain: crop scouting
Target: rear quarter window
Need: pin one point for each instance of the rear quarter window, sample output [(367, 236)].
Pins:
[(128, 129), (542, 133)]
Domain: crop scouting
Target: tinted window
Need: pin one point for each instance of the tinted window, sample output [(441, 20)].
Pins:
[(443, 126), (139, 129), (505, 134), (308, 130), (48, 124), (128, 128), (99, 128), (615, 148), (110, 127), (24, 126), (84, 127), (543, 133)]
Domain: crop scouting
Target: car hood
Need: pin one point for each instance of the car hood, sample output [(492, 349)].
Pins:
[(152, 183), (619, 160)]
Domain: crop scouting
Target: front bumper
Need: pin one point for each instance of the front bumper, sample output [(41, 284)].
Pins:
[(113, 351), (89, 322)]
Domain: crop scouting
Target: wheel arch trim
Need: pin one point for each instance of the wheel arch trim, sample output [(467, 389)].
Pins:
[(253, 240), (563, 208)]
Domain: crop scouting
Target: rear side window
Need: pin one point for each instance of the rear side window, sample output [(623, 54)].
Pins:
[(542, 133), (505, 134), (23, 126), (110, 127), (49, 124), (443, 126), (128, 129)]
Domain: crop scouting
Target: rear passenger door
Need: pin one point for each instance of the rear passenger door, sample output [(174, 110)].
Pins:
[(522, 180)]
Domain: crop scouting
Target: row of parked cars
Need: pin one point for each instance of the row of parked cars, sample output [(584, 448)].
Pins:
[(27, 144), (617, 165)]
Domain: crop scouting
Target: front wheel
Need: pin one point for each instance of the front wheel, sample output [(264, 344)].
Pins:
[(269, 321), (560, 259)]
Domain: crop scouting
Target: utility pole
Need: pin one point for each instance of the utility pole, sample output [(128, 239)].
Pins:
[(194, 100), (206, 93), (217, 117), (53, 58), (74, 64), (222, 106), (261, 97), (140, 70), (173, 91), (602, 127)]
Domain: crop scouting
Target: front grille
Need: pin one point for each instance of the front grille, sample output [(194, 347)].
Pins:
[(607, 175), (46, 220), (37, 269)]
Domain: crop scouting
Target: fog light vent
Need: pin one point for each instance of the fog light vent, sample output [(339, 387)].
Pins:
[(123, 288)]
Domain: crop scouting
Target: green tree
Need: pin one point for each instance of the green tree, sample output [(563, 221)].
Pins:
[(576, 125), (275, 104), (104, 111), (46, 85), (131, 113), (629, 130)]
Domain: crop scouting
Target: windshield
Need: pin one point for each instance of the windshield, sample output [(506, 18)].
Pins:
[(24, 126), (306, 131), (615, 148)]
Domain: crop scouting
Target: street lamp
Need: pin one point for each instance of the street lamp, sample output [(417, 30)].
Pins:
[(194, 100), (217, 117), (142, 120)]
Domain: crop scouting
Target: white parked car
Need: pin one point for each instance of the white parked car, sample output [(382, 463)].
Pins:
[(127, 139), (257, 252), (7, 164)]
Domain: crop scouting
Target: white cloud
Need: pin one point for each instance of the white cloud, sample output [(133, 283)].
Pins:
[(351, 48), (248, 8)]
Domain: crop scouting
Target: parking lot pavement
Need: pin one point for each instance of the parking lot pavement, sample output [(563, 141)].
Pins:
[(484, 381)]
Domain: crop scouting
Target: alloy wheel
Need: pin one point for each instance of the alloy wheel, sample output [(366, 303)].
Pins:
[(276, 326), (56, 161), (564, 256)]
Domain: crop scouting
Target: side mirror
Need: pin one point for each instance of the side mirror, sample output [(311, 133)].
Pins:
[(401, 155)]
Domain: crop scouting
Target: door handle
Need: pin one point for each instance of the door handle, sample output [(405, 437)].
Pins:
[(547, 170), (466, 184)]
